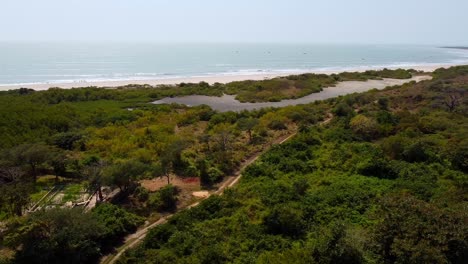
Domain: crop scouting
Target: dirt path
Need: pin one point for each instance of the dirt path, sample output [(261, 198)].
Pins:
[(133, 239)]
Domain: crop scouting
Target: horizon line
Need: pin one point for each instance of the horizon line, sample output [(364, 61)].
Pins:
[(439, 45)]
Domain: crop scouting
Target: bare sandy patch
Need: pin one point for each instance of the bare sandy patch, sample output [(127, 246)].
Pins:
[(201, 194), (192, 184)]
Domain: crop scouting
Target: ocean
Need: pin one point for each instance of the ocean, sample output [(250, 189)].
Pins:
[(36, 63)]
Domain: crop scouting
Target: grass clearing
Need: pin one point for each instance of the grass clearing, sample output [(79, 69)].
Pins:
[(72, 192)]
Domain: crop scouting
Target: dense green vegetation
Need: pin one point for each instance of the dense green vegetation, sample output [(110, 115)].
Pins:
[(60, 145), (69, 235), (296, 86), (384, 180)]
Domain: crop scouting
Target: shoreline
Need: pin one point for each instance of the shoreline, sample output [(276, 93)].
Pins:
[(211, 79)]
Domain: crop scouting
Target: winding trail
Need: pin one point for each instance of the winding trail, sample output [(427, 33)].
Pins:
[(133, 239)]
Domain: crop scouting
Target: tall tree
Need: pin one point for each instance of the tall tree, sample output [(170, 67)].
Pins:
[(171, 158), (56, 236), (93, 171), (32, 155), (124, 174), (14, 197), (223, 136), (247, 124)]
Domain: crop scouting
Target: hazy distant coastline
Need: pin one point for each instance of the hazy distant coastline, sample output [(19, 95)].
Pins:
[(456, 47), (210, 78)]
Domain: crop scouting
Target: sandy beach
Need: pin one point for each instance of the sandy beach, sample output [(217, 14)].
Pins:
[(209, 79)]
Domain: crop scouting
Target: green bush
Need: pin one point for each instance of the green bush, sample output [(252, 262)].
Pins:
[(117, 221), (285, 220), (277, 125), (343, 109), (165, 199)]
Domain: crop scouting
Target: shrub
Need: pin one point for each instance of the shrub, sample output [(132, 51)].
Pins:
[(413, 231), (419, 151), (116, 220), (343, 109), (285, 220), (165, 199), (364, 127), (277, 125), (212, 175)]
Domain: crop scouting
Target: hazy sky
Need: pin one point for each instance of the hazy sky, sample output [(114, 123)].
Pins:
[(325, 21)]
